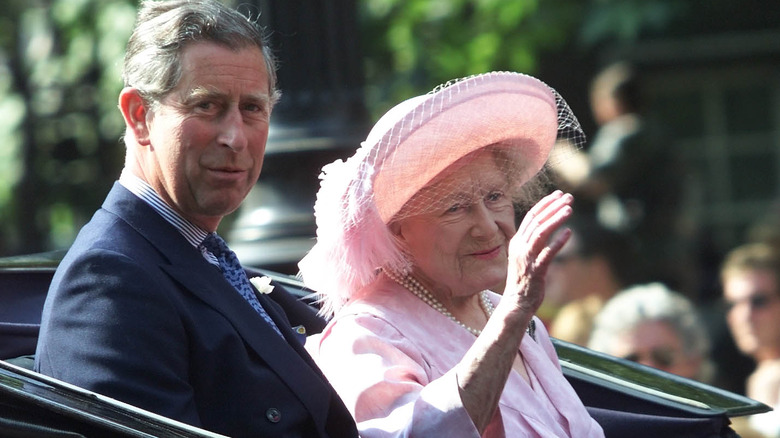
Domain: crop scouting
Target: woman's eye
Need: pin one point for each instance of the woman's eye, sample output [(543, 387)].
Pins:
[(454, 208), (494, 196)]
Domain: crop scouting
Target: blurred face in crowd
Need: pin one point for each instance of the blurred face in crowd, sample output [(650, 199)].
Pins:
[(754, 312), (603, 105), (201, 148), (656, 344), (461, 247), (566, 274)]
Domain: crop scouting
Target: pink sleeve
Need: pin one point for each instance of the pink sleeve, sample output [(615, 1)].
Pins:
[(386, 383)]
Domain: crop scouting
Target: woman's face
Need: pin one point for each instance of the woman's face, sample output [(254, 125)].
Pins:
[(459, 247), (657, 344)]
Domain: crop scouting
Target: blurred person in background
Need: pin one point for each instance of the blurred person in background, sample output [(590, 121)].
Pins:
[(591, 267), (750, 277), (629, 177), (655, 326)]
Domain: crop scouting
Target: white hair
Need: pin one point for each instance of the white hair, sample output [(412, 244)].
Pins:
[(652, 302)]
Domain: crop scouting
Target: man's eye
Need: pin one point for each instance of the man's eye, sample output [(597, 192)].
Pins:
[(255, 111), (252, 107), (206, 105)]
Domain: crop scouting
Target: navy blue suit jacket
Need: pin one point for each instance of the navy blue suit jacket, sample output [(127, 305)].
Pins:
[(136, 313)]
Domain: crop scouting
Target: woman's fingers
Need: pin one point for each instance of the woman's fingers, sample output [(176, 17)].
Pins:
[(541, 221), (536, 244), (537, 213), (548, 253), (545, 234)]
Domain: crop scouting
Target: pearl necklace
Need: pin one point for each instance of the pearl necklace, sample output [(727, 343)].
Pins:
[(414, 286)]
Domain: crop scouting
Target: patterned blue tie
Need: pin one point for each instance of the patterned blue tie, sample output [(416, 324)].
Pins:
[(235, 274)]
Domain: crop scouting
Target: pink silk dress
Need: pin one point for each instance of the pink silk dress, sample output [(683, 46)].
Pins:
[(389, 356)]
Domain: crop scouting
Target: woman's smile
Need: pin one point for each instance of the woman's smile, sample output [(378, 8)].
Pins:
[(487, 254)]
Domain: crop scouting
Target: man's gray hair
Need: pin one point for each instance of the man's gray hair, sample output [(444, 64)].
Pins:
[(164, 29)]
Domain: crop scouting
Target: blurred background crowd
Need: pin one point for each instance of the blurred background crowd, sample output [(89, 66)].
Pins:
[(680, 101)]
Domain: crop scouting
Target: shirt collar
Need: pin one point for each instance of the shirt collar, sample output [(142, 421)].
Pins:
[(143, 190)]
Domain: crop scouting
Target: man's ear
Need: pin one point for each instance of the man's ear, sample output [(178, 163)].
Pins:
[(135, 111)]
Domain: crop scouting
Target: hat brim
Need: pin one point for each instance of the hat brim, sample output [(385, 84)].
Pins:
[(425, 135)]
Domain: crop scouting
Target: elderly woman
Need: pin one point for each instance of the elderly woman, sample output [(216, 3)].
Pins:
[(655, 326), (413, 232)]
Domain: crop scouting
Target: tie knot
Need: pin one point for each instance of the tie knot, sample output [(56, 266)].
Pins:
[(215, 245)]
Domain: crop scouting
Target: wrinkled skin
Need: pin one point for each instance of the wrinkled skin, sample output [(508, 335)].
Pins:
[(532, 249)]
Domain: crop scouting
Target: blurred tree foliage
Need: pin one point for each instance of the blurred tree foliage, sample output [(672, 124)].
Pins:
[(413, 45), (60, 130), (60, 60)]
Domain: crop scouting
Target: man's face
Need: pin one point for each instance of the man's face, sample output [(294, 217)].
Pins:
[(207, 137), (754, 311)]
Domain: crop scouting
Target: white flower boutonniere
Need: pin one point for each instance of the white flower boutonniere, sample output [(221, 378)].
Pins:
[(262, 284)]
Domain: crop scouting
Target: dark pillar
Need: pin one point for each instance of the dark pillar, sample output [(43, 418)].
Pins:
[(321, 117)]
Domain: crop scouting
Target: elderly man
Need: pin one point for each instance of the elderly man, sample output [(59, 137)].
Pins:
[(150, 306)]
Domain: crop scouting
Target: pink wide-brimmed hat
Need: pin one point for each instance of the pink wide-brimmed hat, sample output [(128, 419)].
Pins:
[(407, 148)]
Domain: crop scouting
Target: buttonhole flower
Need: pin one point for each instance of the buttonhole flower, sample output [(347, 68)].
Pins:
[(262, 284)]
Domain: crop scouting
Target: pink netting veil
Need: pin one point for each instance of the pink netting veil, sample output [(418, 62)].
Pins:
[(394, 173)]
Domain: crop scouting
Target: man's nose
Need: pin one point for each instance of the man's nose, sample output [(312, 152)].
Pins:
[(231, 130)]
